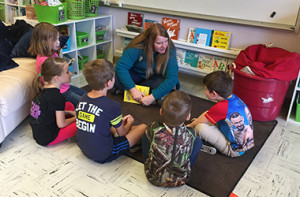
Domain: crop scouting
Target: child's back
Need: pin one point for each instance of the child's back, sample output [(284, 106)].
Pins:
[(172, 148), (168, 163), (52, 118), (43, 117)]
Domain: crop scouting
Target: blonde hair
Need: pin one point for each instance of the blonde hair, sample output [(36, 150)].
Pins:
[(43, 34), (146, 41), (50, 68), (98, 72)]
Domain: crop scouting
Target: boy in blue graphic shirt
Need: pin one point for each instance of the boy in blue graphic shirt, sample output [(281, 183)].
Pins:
[(99, 118), (228, 124)]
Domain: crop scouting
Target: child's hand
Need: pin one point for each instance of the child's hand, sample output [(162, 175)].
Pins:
[(147, 100), (128, 119)]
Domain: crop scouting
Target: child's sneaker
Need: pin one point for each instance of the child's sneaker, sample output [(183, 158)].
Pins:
[(208, 149), (135, 148)]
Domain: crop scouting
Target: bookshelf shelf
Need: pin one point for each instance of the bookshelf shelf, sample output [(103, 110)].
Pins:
[(13, 9), (230, 54)]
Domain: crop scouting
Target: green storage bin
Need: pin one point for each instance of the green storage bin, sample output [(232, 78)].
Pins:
[(91, 7), (100, 54), (76, 9), (51, 14), (84, 60), (100, 36), (82, 39), (2, 12)]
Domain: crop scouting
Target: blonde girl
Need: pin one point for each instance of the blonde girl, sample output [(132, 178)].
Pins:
[(149, 60), (52, 119), (44, 44)]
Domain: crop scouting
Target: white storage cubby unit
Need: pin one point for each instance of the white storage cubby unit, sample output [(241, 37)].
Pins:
[(12, 8), (87, 25), (231, 54), (291, 117)]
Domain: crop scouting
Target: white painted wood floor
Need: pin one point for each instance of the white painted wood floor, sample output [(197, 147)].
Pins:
[(27, 169)]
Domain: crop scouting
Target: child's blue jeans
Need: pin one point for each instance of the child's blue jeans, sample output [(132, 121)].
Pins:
[(73, 94)]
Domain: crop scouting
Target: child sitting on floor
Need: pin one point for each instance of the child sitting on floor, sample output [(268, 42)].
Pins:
[(228, 124), (52, 119), (169, 147), (99, 118)]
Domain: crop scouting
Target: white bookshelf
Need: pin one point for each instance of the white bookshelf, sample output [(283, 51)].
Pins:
[(180, 44), (87, 25), (13, 9), (291, 117)]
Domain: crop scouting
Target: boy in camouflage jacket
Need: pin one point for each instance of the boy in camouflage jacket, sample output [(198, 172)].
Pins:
[(169, 147)]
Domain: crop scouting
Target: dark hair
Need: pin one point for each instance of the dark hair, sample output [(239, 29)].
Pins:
[(234, 115), (176, 107), (41, 35), (146, 41), (98, 72), (220, 82)]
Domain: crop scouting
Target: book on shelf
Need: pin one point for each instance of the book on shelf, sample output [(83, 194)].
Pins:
[(205, 62), (210, 63), (22, 11), (191, 35), (128, 96), (26, 2), (135, 19), (13, 1), (41, 2), (126, 42), (148, 23), (219, 64), (228, 66), (180, 55), (203, 36), (172, 27), (221, 39), (191, 58), (12, 13)]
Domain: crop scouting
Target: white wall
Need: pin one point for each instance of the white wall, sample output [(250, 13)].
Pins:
[(242, 36)]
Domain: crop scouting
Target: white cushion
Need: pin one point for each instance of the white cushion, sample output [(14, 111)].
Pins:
[(16, 85)]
